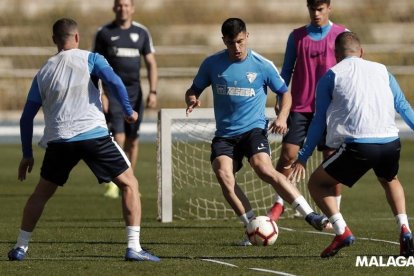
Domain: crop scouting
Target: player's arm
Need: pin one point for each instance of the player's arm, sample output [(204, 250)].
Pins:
[(151, 65), (289, 59), (200, 82), (32, 106), (100, 67), (284, 98), (402, 106)]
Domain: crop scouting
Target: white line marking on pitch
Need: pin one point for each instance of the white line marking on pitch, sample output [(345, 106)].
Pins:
[(272, 271), (257, 269), (219, 262)]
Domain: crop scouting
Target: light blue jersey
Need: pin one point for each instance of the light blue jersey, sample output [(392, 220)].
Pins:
[(239, 90)]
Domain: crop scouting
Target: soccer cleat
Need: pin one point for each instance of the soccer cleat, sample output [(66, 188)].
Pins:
[(132, 255), (112, 191), (318, 222), (406, 242), (16, 254), (244, 242), (276, 211), (340, 241)]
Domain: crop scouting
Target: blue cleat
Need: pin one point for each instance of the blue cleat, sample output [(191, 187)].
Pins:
[(16, 254), (132, 255), (318, 222)]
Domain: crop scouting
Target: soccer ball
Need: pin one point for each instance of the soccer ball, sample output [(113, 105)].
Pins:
[(262, 231)]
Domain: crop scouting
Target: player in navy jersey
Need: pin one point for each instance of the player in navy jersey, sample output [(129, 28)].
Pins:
[(123, 42), (239, 78), (356, 100), (309, 54), (75, 129)]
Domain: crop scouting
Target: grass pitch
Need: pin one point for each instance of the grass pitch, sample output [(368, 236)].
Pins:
[(82, 233)]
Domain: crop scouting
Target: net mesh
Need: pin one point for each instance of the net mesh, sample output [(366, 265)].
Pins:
[(196, 192)]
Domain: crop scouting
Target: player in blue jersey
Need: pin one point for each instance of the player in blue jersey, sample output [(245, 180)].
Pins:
[(309, 54), (75, 129), (123, 42), (239, 78), (356, 99)]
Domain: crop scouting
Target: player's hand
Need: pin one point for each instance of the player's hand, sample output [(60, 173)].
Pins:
[(278, 126), (192, 102), (152, 100), (132, 119), (26, 165), (298, 172)]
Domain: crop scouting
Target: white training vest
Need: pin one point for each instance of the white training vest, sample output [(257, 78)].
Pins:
[(71, 102), (362, 103)]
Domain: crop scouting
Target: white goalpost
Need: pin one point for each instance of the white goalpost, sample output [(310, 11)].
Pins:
[(187, 186)]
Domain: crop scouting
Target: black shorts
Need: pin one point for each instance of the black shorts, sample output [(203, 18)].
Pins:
[(246, 144), (116, 117), (298, 125), (102, 155), (351, 161)]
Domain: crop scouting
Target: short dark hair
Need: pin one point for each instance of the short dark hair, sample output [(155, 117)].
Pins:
[(312, 3), (63, 28), (232, 27), (347, 42)]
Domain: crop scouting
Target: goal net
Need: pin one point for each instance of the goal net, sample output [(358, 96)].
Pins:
[(187, 186)]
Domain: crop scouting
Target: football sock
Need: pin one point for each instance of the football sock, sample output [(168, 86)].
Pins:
[(23, 240), (302, 206), (278, 199), (133, 237), (338, 223), (401, 220), (247, 217)]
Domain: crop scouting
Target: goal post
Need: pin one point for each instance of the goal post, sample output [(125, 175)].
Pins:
[(187, 186)]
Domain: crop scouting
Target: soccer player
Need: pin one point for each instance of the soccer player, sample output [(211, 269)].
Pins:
[(309, 54), (357, 100), (239, 78), (123, 42), (75, 129)]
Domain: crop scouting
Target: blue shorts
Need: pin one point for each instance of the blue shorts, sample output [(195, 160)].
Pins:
[(102, 155), (351, 161), (298, 125), (237, 147)]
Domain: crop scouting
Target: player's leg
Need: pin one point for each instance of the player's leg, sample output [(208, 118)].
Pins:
[(298, 124), (347, 165), (223, 169), (226, 159), (108, 162), (386, 170), (54, 172), (257, 151)]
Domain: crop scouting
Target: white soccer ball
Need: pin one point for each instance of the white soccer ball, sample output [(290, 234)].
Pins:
[(262, 231)]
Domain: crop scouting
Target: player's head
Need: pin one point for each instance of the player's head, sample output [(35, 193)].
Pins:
[(123, 9), (347, 44), (235, 38), (319, 11), (65, 34)]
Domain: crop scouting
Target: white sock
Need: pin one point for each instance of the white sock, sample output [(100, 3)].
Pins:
[(338, 201), (402, 219), (247, 217), (302, 206), (279, 199), (23, 240), (338, 223), (133, 237)]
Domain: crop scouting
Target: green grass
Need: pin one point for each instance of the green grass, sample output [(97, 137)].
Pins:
[(82, 233)]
